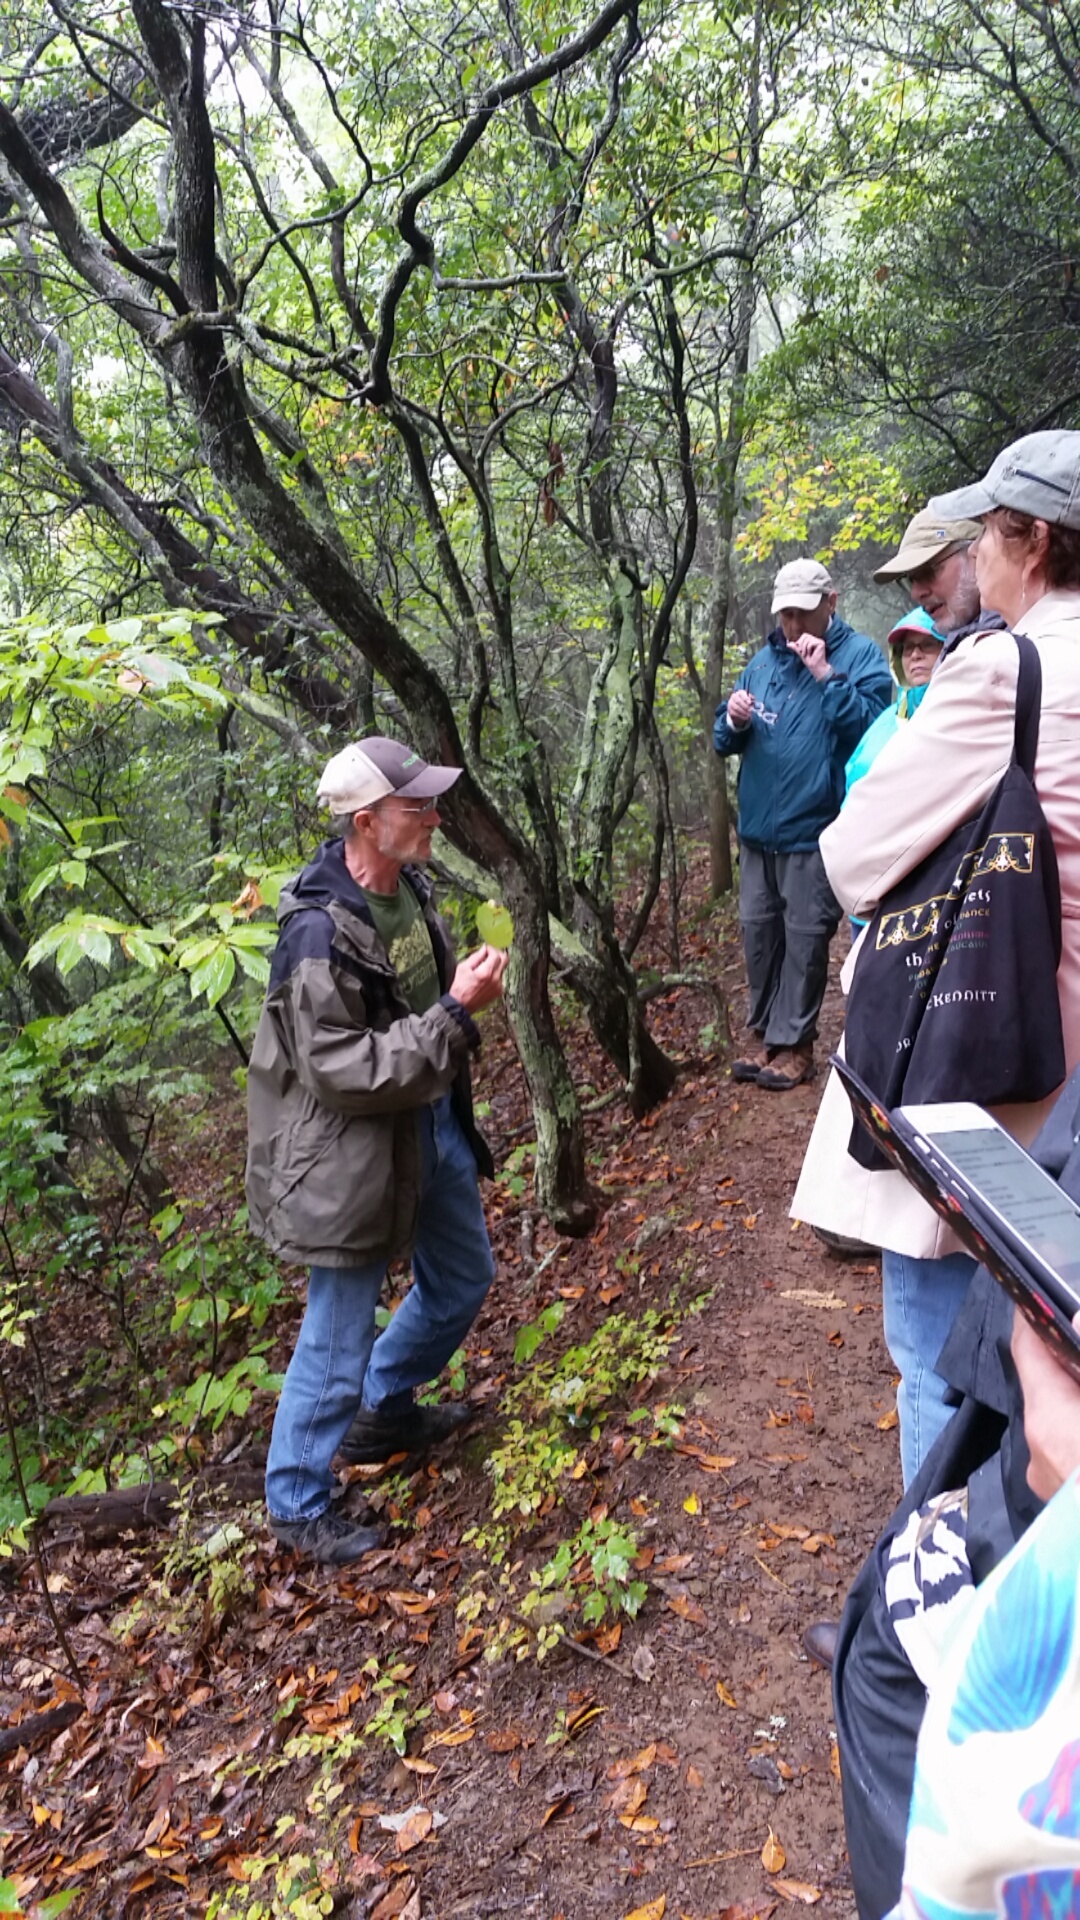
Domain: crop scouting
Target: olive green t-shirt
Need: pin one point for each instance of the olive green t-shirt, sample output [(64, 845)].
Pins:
[(403, 931)]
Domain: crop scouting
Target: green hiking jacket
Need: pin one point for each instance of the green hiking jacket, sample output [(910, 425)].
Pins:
[(340, 1071)]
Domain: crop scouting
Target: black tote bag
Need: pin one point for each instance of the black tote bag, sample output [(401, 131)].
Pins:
[(954, 995)]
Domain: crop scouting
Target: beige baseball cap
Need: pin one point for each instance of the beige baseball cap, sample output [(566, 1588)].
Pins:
[(928, 537), (800, 584), (368, 770)]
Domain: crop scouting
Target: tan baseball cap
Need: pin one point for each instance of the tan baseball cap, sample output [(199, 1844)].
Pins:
[(368, 770), (800, 584), (927, 537)]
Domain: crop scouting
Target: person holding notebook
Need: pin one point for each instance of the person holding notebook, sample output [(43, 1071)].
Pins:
[(1011, 1445), (1027, 564), (994, 1820)]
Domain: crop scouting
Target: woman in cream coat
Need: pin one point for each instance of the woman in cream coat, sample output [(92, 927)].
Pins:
[(935, 774)]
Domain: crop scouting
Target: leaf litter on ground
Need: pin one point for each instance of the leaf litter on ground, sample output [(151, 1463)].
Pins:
[(248, 1729)]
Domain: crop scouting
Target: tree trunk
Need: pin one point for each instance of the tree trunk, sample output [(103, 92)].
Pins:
[(609, 992), (721, 607), (730, 444), (193, 349), (606, 982), (563, 1190), (721, 876)]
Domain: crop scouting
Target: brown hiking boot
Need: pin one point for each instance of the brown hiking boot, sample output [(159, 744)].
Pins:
[(753, 1061), (376, 1436), (788, 1068)]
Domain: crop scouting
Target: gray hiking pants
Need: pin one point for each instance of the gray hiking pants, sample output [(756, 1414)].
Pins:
[(789, 914)]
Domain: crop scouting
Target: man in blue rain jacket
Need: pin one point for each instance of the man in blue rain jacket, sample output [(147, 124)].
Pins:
[(797, 713)]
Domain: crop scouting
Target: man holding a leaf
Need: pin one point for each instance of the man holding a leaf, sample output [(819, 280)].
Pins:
[(362, 1147)]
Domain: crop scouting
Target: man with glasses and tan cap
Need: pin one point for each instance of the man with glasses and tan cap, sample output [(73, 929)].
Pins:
[(362, 1147), (797, 712), (935, 558)]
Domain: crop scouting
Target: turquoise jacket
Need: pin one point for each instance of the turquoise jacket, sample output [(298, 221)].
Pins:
[(883, 728), (887, 723)]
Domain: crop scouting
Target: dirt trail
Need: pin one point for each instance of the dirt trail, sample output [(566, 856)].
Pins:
[(786, 1371), (689, 1769)]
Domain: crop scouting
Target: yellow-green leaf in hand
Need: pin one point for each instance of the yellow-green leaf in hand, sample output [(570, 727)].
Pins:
[(494, 925)]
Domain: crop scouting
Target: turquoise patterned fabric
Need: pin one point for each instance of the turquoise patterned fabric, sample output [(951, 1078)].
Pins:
[(1011, 1677), (994, 1832)]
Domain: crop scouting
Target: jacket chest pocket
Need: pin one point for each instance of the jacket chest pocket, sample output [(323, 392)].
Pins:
[(374, 1001)]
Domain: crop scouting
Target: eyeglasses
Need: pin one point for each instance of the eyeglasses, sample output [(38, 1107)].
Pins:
[(413, 806), (918, 645), (928, 572)]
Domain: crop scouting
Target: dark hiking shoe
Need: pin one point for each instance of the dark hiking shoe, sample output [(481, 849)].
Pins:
[(752, 1062), (842, 1248), (329, 1537), (375, 1436), (788, 1068), (820, 1643)]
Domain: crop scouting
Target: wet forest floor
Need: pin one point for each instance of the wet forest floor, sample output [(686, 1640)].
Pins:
[(708, 1430)]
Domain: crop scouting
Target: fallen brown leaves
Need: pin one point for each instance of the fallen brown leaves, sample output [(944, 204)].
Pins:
[(401, 1903), (555, 1811), (503, 1740), (687, 1609), (711, 1462), (773, 1857), (196, 1747), (798, 1890), (629, 1796), (416, 1828), (653, 1910), (636, 1763)]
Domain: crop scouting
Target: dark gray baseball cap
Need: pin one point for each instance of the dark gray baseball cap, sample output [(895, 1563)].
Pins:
[(1038, 475)]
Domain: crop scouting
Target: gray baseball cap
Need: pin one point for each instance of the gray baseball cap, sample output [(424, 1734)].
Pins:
[(1038, 475)]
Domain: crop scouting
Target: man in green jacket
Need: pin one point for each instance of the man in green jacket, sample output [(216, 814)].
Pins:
[(362, 1146)]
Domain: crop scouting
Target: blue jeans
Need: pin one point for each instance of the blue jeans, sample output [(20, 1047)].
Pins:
[(338, 1364), (920, 1301)]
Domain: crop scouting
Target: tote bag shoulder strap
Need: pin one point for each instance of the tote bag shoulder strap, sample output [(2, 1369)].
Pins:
[(1028, 705)]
